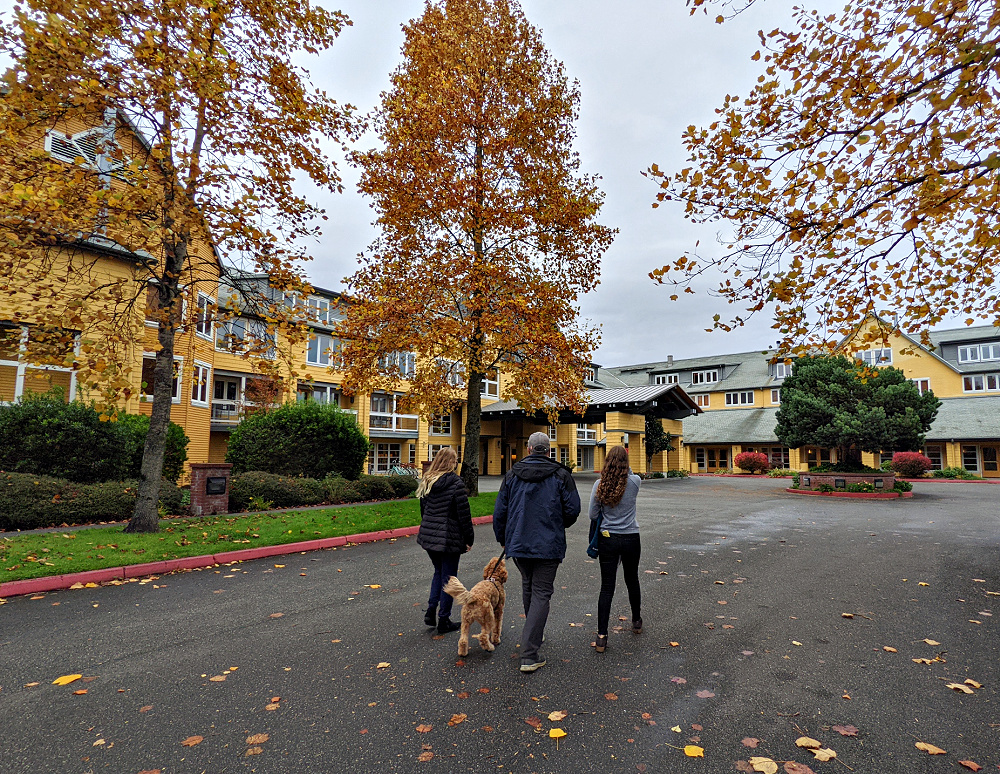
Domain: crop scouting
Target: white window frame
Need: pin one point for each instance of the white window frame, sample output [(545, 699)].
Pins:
[(708, 376), (204, 317), (981, 383), (390, 420), (89, 155), (318, 309), (405, 361), (740, 398), (253, 329), (922, 385), (782, 370), (434, 448), (551, 432), (703, 400), (665, 379), (875, 357), (775, 396), (22, 365), (324, 353), (382, 457), (584, 433), (490, 387), (967, 449), (147, 397), (590, 375), (440, 424), (201, 374), (979, 353)]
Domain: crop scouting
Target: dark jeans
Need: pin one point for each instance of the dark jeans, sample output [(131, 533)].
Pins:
[(445, 565), (538, 577), (614, 549)]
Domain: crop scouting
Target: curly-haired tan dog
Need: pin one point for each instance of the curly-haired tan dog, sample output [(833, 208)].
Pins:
[(483, 603)]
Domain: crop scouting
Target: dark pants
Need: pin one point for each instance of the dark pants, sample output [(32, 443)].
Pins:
[(538, 577), (445, 565), (614, 549)]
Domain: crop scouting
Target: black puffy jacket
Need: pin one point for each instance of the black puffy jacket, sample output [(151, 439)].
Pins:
[(445, 518)]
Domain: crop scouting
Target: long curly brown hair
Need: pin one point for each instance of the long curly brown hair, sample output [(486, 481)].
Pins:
[(614, 477)]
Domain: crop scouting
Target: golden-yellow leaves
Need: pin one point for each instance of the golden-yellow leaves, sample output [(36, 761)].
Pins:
[(930, 749), (808, 742), (694, 751), (763, 765), (66, 679)]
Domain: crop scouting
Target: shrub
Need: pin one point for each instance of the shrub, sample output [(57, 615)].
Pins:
[(374, 488), (307, 439), (780, 472), (795, 481), (172, 497), (340, 490), (752, 462), (961, 473), (32, 502), (902, 486), (677, 474), (402, 485), (281, 491), (910, 464), (657, 474), (136, 427)]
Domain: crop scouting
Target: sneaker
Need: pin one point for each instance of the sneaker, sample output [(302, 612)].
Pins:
[(530, 665), (446, 625), (637, 626), (430, 617)]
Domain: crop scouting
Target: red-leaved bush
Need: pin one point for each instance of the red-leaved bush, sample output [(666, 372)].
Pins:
[(910, 464), (752, 462)]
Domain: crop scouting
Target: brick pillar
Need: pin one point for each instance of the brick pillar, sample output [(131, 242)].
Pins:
[(206, 475)]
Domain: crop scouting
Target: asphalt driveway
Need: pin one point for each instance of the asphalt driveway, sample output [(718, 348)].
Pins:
[(326, 654)]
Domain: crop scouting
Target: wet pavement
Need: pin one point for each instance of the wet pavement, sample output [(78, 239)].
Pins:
[(751, 583)]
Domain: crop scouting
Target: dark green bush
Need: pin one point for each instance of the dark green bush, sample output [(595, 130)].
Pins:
[(45, 435), (902, 486), (677, 474), (307, 439), (33, 502), (375, 488), (340, 490), (402, 485), (280, 491), (961, 473)]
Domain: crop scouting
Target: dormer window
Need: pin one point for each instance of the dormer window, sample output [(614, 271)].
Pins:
[(705, 377), (781, 370), (976, 353), (875, 357), (665, 379)]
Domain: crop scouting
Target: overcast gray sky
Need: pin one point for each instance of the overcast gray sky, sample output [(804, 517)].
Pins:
[(646, 70)]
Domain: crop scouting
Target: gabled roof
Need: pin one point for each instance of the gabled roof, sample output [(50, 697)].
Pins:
[(665, 399), (962, 335), (727, 426)]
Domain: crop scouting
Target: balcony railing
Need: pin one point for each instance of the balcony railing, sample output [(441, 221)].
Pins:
[(396, 422)]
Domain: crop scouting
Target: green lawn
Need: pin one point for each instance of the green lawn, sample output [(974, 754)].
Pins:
[(58, 553)]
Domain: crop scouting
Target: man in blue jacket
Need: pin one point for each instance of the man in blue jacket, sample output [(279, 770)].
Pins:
[(537, 501)]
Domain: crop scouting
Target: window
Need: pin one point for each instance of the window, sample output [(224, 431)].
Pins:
[(884, 457), (702, 400), (781, 370), (775, 397), (981, 383), (564, 455), (382, 457), (490, 386), (699, 456), (665, 379), (553, 450), (148, 367), (922, 385), (319, 310), (413, 454), (384, 414), (875, 357), (935, 455), (705, 377), (440, 424), (990, 459), (454, 372), (742, 398), (154, 313), (552, 432), (976, 352), (321, 393), (590, 375), (202, 377), (203, 322), (92, 145), (970, 457), (584, 433), (778, 456), (434, 448), (322, 350), (402, 364), (243, 334)]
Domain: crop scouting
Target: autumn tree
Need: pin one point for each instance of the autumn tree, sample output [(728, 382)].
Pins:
[(860, 175), (487, 227), (202, 120), (837, 402), (657, 439)]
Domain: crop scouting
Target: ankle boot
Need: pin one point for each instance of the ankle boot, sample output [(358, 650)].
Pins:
[(430, 617), (445, 625)]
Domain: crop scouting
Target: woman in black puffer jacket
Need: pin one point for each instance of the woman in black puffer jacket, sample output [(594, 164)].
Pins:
[(445, 532)]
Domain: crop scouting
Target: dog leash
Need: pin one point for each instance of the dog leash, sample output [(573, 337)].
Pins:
[(492, 578)]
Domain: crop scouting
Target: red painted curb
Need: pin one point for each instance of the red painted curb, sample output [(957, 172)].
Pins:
[(854, 495), (57, 582)]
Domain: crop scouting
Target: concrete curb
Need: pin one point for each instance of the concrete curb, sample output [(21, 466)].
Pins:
[(854, 495), (57, 582)]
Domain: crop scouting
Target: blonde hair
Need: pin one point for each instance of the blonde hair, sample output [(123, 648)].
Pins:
[(614, 477), (444, 462)]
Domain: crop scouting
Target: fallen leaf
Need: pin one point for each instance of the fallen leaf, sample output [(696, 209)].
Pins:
[(846, 730), (462, 695), (98, 743), (382, 665), (271, 707), (363, 731), (31, 685), (150, 771), (484, 690), (258, 738), (971, 765), (797, 643), (611, 696), (744, 766), (191, 741), (646, 716), (676, 729), (253, 751), (423, 728), (217, 679), (930, 749), (932, 642), (973, 683), (276, 615), (751, 742), (488, 729), (922, 660), (556, 733), (923, 584), (374, 586), (534, 722), (558, 715), (764, 765), (457, 718), (425, 756), (678, 680), (847, 615), (90, 585), (808, 742), (147, 708), (697, 727), (846, 696), (275, 699), (693, 751), (793, 767), (674, 644), (959, 687), (887, 649), (81, 692), (824, 754), (705, 695), (279, 565), (66, 679)]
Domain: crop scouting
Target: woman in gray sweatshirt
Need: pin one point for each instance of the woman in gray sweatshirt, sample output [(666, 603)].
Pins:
[(614, 498)]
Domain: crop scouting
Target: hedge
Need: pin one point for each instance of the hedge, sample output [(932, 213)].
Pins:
[(278, 491), (32, 502)]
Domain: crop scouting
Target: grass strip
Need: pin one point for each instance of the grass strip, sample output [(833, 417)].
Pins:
[(38, 555)]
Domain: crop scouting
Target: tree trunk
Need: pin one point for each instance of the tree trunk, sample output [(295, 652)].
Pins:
[(473, 432)]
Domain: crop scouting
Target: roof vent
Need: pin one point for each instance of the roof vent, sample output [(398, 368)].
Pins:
[(670, 360)]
